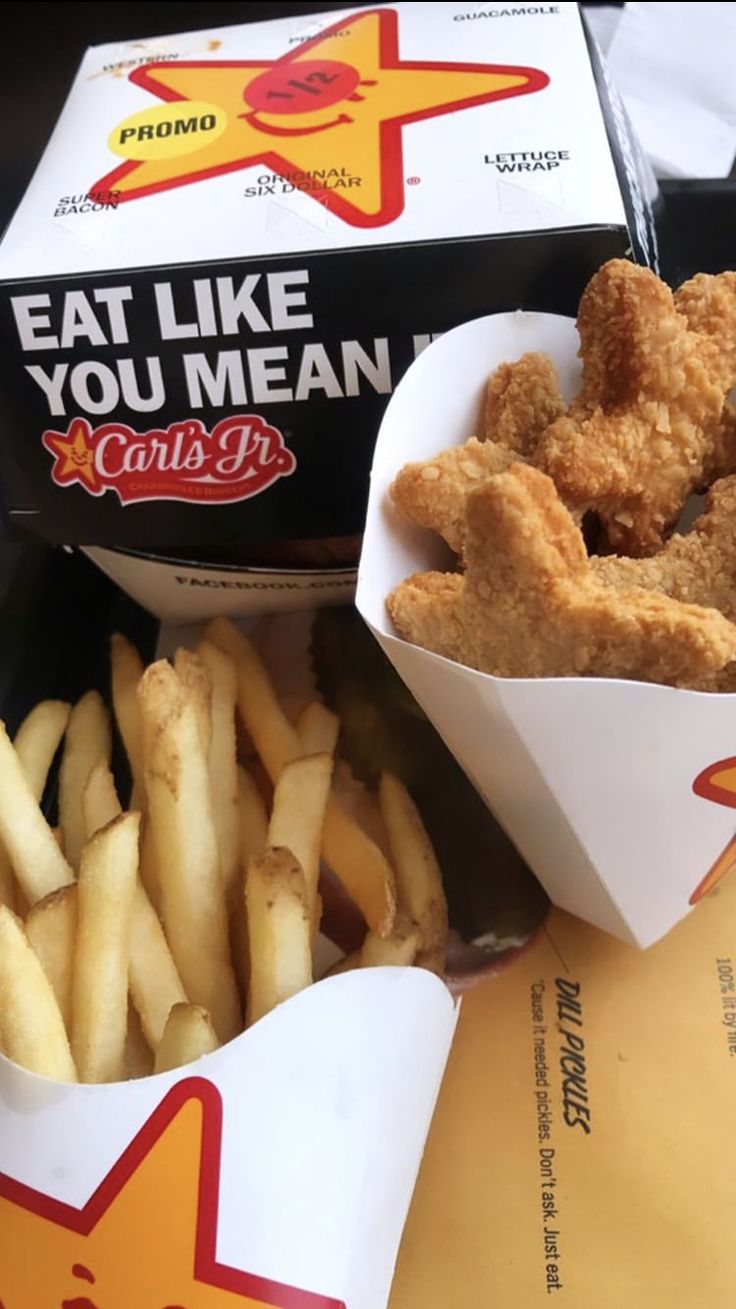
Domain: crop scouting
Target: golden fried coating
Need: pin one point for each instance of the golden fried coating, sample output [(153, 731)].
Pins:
[(708, 302), (529, 605), (432, 493), (698, 567), (723, 681), (638, 438), (522, 399), (722, 461)]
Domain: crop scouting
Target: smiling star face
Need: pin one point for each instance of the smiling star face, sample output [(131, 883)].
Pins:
[(74, 456)]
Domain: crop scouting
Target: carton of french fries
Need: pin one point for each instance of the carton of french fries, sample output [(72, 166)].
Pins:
[(618, 792), (193, 1109)]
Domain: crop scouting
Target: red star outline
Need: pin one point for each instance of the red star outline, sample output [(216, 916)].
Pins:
[(206, 1268), (390, 140), (707, 789)]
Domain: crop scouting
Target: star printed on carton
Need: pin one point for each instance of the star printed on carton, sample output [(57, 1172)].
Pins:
[(717, 783), (146, 1237), (326, 118)]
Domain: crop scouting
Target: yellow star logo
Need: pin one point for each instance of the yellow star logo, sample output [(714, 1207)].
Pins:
[(326, 117), (146, 1238), (75, 457)]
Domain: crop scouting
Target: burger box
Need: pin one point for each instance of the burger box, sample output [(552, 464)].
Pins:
[(619, 794), (236, 242)]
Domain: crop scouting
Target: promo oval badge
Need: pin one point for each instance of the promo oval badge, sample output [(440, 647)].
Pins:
[(165, 131)]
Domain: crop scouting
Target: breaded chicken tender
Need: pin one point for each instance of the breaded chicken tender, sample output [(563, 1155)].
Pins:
[(522, 399), (722, 461), (698, 567), (723, 682), (642, 432), (529, 604), (432, 493), (708, 302)]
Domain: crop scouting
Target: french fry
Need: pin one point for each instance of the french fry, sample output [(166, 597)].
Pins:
[(32, 1025), (148, 867), (7, 881), (180, 815), (273, 736), (188, 1036), (51, 928), (196, 678), (127, 671), (279, 930), (155, 985), (223, 761), (354, 858), (253, 823), (87, 742), (298, 813), (417, 872), (253, 817), (38, 863), (347, 964), (100, 802), (398, 949), (106, 890), (360, 866), (37, 740), (318, 729), (138, 1056)]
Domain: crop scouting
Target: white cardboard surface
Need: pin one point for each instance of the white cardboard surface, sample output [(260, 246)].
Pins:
[(592, 778), (327, 1103)]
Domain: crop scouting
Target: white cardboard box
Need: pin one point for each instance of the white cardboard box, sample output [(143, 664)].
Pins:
[(238, 239)]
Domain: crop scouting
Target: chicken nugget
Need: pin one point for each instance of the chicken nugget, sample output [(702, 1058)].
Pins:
[(521, 401), (432, 493), (698, 567), (639, 437), (529, 604), (708, 302)]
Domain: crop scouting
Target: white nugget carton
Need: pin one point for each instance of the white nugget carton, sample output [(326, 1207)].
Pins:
[(618, 794), (274, 1174)]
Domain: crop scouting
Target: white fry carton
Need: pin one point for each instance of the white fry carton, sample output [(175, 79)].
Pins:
[(274, 1174), (618, 794)]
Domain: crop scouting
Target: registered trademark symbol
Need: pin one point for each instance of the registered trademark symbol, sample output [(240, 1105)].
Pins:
[(413, 181)]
